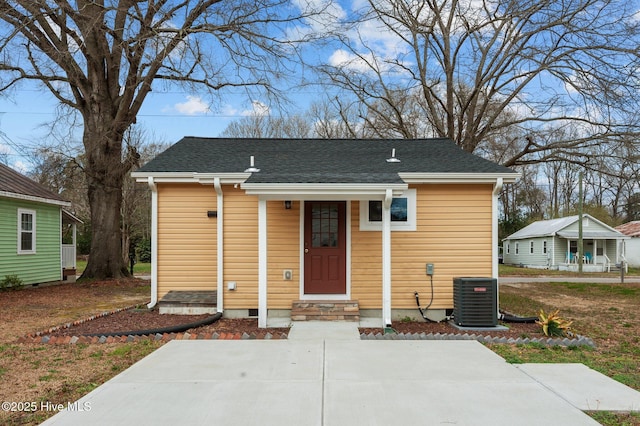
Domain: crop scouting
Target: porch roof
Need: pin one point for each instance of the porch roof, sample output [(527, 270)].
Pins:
[(593, 235), (322, 161)]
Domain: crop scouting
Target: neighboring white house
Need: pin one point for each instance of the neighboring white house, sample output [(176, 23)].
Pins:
[(553, 244), (632, 245)]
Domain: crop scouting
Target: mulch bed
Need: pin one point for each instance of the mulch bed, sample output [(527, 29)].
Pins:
[(130, 320), (126, 321), (515, 329)]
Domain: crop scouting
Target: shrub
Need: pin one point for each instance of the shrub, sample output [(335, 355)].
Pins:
[(143, 251), (11, 281)]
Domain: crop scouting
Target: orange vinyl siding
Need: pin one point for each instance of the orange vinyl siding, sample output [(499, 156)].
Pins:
[(241, 251), (187, 241), (283, 246), (453, 232), (240, 248), (186, 238)]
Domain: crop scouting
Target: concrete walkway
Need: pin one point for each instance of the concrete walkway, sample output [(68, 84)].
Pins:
[(324, 375)]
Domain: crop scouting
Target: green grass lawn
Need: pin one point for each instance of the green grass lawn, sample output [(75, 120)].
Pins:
[(138, 268), (607, 313), (511, 270)]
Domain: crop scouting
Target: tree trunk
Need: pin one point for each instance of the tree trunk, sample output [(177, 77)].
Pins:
[(105, 172)]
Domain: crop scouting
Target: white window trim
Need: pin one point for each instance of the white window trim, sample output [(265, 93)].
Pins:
[(33, 231), (409, 225), (517, 248), (544, 247), (531, 247)]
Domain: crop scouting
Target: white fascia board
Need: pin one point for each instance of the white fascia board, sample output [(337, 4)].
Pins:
[(71, 216), (410, 177), (318, 191), (34, 199), (191, 177)]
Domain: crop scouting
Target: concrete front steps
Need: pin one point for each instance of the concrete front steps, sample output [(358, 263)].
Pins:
[(325, 310)]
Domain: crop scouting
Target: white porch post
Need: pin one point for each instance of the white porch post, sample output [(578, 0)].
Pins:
[(154, 242), (497, 188), (74, 230), (262, 263), (494, 227), (219, 245), (386, 258)]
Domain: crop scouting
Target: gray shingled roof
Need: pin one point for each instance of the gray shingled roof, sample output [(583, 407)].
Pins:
[(320, 160), (16, 183)]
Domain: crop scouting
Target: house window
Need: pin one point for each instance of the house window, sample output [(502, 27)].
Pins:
[(508, 248), (530, 247), (517, 248), (26, 231), (544, 247), (403, 213)]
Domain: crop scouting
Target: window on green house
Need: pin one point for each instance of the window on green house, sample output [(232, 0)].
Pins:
[(26, 231)]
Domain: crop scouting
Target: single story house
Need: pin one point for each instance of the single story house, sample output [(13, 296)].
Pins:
[(267, 222), (632, 245), (553, 244), (32, 223)]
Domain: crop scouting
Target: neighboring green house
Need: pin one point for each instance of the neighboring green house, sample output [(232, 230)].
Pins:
[(31, 226)]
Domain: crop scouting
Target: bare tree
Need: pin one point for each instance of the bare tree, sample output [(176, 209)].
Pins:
[(478, 70), (135, 222), (334, 120), (102, 58), (267, 126)]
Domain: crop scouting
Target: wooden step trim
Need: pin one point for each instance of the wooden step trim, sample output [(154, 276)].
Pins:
[(325, 310)]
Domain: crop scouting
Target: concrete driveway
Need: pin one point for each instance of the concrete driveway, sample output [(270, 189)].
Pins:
[(325, 375)]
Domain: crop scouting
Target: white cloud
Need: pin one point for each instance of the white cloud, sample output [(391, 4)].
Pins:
[(322, 17), (361, 64), (194, 105), (20, 166), (257, 109)]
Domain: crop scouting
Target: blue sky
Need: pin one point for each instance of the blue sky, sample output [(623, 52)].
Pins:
[(169, 114)]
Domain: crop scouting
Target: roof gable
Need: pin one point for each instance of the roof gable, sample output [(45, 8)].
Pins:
[(320, 160), (17, 185)]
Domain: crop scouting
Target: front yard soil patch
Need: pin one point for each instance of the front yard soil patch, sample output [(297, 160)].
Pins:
[(125, 321)]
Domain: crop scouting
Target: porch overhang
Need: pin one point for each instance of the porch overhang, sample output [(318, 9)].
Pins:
[(470, 178), (191, 177), (593, 235), (322, 191)]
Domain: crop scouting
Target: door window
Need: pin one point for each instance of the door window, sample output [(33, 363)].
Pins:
[(324, 225)]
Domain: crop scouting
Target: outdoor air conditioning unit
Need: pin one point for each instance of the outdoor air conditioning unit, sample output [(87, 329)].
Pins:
[(475, 302)]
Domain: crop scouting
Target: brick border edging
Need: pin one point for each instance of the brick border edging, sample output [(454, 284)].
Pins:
[(546, 341), (165, 337), (45, 335)]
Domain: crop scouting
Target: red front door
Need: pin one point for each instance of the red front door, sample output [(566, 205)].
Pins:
[(325, 266)]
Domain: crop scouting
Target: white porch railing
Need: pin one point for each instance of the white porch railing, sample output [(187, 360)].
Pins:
[(68, 256), (607, 263)]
